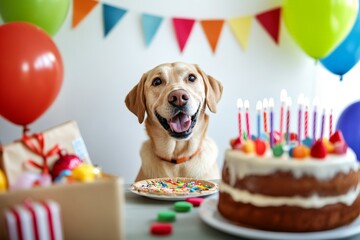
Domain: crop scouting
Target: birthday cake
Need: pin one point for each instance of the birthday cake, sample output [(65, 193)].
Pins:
[(290, 187)]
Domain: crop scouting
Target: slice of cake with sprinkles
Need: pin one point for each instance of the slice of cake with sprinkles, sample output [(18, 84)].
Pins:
[(290, 185)]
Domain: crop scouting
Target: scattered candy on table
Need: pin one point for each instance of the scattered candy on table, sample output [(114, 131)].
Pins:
[(161, 229), (195, 201), (182, 206), (166, 216)]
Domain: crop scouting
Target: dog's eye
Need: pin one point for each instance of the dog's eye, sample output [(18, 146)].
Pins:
[(156, 82), (192, 78)]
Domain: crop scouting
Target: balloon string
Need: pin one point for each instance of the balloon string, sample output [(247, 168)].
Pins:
[(25, 129)]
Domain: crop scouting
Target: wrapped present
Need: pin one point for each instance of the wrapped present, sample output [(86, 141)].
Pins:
[(89, 210), (34, 220), (38, 152)]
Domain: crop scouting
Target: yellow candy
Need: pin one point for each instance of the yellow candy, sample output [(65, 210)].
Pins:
[(248, 146), (85, 173), (301, 152), (328, 145), (2, 181)]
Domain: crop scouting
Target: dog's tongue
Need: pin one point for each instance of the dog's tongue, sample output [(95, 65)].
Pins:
[(180, 123)]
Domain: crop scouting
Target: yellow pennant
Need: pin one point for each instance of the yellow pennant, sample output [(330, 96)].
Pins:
[(241, 28)]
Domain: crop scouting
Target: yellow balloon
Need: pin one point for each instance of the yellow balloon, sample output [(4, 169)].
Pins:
[(318, 26)]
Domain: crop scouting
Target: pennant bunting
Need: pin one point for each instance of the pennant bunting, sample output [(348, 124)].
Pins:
[(212, 29), (150, 25), (241, 26), (270, 20), (111, 15), (81, 8), (183, 28)]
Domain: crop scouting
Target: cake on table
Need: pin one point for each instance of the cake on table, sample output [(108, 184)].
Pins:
[(288, 186)]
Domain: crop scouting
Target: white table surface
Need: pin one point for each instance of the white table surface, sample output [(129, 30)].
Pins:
[(141, 212)]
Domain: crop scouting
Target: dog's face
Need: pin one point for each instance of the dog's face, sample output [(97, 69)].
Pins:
[(173, 95)]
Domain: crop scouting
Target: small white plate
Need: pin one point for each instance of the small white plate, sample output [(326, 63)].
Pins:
[(138, 189), (209, 214)]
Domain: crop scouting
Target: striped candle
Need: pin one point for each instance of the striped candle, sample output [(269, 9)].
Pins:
[(271, 107), (315, 105), (247, 116), (258, 109), (240, 106), (331, 123), (288, 103), (322, 124), (306, 117), (300, 103), (265, 106), (283, 97)]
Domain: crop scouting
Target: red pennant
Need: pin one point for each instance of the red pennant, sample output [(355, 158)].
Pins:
[(182, 27), (270, 20)]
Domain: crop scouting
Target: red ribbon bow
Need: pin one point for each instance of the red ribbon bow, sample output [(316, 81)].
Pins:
[(39, 150)]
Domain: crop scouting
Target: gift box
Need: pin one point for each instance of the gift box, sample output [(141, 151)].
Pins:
[(91, 210), (31, 153), (34, 220)]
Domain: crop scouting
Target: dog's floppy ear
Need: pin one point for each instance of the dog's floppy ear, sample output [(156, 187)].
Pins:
[(135, 100), (213, 90)]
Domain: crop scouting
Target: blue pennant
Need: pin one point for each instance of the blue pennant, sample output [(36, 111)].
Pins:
[(150, 24), (112, 16)]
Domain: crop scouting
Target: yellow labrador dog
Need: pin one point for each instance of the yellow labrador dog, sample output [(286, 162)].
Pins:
[(174, 97)]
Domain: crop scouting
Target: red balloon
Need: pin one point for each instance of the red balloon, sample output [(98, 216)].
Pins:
[(31, 72)]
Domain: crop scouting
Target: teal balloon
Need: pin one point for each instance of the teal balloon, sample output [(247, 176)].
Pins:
[(347, 54), (46, 14)]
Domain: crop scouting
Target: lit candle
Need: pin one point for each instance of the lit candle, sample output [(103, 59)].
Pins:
[(331, 123), (247, 106), (271, 107), (288, 103), (258, 109), (306, 117), (240, 106), (300, 103), (315, 105), (283, 97), (322, 123), (265, 106)]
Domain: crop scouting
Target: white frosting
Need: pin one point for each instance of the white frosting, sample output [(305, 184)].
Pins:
[(242, 164), (313, 201)]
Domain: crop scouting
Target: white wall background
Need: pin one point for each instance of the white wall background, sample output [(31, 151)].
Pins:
[(100, 71)]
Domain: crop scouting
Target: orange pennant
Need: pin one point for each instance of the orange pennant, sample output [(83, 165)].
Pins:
[(81, 8), (212, 29)]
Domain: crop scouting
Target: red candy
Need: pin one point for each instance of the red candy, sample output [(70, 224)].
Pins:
[(318, 150), (336, 137), (235, 143), (293, 136), (260, 147), (195, 201), (340, 148), (161, 229), (65, 162)]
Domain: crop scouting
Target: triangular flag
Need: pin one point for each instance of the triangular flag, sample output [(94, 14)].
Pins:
[(182, 27), (150, 24), (241, 28), (111, 16), (81, 8), (212, 29), (270, 20)]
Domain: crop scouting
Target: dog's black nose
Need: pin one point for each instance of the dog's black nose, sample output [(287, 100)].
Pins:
[(178, 98)]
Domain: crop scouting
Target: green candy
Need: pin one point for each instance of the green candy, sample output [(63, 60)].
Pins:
[(166, 216), (182, 206), (278, 150)]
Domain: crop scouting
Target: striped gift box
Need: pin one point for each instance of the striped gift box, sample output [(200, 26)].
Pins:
[(34, 220)]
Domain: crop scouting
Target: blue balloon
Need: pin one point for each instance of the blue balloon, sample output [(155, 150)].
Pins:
[(349, 124), (347, 54)]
